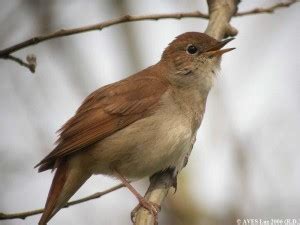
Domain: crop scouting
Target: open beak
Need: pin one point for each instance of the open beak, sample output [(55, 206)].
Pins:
[(217, 51)]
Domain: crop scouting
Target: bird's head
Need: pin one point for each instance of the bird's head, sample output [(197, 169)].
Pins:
[(193, 58)]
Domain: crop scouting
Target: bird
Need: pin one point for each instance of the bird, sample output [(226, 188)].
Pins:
[(137, 126)]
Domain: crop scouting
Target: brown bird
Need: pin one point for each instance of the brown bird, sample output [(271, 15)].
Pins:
[(137, 126)]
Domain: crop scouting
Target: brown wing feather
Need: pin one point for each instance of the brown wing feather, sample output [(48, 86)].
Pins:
[(105, 111)]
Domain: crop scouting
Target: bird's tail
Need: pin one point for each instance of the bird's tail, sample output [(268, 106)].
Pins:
[(65, 183)]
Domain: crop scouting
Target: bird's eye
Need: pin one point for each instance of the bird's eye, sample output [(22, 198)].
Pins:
[(192, 49)]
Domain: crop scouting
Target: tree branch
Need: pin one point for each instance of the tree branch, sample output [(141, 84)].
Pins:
[(220, 14), (160, 184), (5, 53), (23, 215)]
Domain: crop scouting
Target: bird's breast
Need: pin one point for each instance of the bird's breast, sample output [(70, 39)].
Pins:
[(147, 146)]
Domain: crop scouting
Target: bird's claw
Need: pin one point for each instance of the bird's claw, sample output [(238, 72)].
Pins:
[(151, 207)]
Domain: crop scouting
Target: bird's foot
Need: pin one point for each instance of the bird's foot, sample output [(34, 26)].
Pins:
[(152, 208)]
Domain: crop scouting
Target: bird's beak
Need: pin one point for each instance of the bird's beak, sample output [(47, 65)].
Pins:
[(217, 51)]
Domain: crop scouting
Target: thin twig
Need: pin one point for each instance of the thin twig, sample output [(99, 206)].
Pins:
[(98, 26), (125, 19), (23, 215), (30, 65), (267, 10)]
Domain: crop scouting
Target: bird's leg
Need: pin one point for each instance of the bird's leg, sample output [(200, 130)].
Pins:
[(169, 175), (150, 206)]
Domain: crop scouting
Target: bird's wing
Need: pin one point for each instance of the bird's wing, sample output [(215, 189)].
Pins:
[(105, 111)]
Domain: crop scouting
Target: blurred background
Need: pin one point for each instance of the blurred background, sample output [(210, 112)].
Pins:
[(245, 163)]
